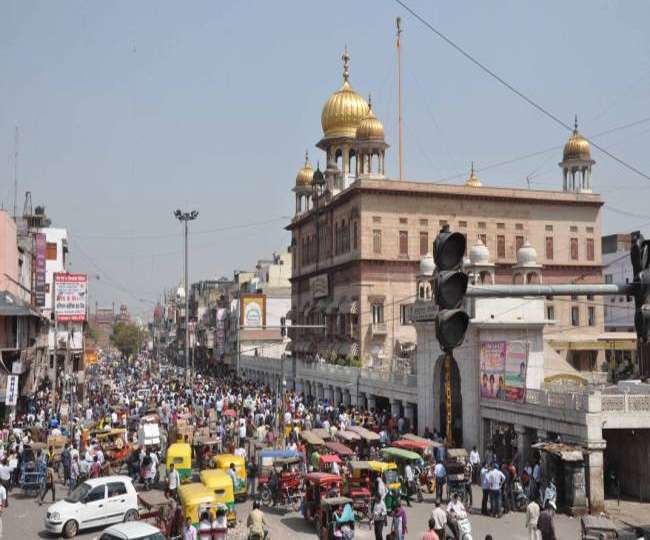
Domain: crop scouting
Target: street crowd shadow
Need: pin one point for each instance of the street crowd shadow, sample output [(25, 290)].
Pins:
[(297, 524)]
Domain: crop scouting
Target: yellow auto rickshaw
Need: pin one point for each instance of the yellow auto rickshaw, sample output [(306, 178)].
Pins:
[(220, 484), (223, 461), (195, 499), (390, 476), (180, 454)]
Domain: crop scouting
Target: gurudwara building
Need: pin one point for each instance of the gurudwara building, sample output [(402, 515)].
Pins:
[(357, 238)]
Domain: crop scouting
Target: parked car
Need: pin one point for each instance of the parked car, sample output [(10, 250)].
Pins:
[(93, 503), (132, 530)]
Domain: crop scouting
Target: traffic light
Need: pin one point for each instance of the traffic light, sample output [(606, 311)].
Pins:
[(283, 326), (450, 286), (640, 256)]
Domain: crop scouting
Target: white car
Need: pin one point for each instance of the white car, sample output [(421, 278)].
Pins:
[(93, 503), (133, 530)]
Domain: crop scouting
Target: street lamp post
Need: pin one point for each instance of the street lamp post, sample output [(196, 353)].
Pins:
[(185, 217)]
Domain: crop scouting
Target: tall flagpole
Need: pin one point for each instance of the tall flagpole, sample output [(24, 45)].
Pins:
[(398, 22)]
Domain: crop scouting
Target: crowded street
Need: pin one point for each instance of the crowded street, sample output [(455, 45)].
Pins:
[(123, 396)]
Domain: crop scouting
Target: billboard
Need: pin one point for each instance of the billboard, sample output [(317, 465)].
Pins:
[(70, 296), (493, 362), (516, 366), (12, 390), (220, 338), (253, 310), (503, 370), (39, 269)]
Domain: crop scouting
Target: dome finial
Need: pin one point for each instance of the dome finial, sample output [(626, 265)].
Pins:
[(306, 156), (473, 180), (575, 124), (370, 100), (346, 64)]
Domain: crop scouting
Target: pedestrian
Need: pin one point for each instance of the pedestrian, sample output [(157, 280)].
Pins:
[(66, 459), (495, 481), (431, 533), (379, 516), (440, 473), (74, 473), (439, 517), (398, 526), (48, 485), (410, 483), (545, 523), (475, 461), (173, 481), (189, 531), (485, 486), (251, 473), (205, 526), (532, 516)]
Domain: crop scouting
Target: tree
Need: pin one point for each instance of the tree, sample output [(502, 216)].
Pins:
[(127, 337)]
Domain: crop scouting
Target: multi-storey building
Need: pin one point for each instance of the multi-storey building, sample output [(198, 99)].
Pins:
[(357, 239), (617, 268)]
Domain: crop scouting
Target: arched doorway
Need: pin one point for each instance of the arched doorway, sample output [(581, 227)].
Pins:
[(450, 396)]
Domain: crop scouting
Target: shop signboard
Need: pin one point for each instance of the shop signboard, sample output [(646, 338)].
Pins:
[(11, 398), (253, 311), (39, 271), (70, 296)]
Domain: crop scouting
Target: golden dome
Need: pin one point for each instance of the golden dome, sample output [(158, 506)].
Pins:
[(473, 180), (370, 127), (306, 174), (345, 109), (577, 147)]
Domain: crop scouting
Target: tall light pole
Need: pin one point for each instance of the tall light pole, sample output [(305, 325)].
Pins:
[(185, 217)]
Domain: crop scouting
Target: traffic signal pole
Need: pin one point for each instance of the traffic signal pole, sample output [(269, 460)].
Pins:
[(504, 291)]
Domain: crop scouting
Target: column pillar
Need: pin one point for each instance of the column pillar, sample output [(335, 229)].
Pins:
[(370, 402), (347, 398), (338, 396), (330, 393), (409, 413), (595, 481), (522, 446), (396, 407)]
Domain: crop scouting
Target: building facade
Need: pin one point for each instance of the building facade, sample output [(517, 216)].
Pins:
[(357, 238)]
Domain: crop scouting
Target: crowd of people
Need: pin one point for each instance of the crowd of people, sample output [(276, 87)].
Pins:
[(119, 392)]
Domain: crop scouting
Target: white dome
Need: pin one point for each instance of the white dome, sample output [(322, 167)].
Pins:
[(427, 266), (479, 253), (180, 292), (527, 255)]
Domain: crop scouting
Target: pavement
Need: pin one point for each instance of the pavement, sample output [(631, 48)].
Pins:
[(24, 520)]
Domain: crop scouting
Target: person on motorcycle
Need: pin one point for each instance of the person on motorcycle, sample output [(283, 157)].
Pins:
[(257, 527), (220, 524), (205, 527)]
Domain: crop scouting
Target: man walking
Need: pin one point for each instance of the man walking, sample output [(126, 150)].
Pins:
[(475, 461), (48, 485), (495, 480), (545, 522), (379, 516), (251, 474), (173, 480), (439, 517), (532, 516), (440, 473), (485, 486)]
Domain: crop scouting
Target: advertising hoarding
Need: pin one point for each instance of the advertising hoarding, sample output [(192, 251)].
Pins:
[(12, 390), (503, 370), (70, 296)]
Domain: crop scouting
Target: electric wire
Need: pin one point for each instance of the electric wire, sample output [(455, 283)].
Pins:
[(514, 90)]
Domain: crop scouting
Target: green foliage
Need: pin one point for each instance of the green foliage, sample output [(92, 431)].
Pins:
[(128, 338)]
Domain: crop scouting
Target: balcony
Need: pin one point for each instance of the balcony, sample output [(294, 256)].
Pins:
[(379, 329)]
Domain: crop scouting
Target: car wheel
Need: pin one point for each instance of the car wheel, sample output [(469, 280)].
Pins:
[(70, 529), (131, 515)]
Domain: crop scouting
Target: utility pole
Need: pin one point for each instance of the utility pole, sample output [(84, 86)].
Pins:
[(186, 217), (400, 119)]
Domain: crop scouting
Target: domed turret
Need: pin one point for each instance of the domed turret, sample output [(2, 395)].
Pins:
[(576, 163), (306, 174), (479, 253), (370, 128), (180, 292), (345, 109), (527, 255), (473, 180), (427, 265)]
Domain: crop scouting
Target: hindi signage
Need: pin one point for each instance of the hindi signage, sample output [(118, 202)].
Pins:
[(39, 272), (11, 398), (70, 296)]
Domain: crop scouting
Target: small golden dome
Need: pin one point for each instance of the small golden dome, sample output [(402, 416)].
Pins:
[(370, 128), (306, 174), (577, 147), (345, 109), (473, 180)]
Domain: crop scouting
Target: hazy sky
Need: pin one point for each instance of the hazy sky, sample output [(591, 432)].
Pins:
[(130, 109)]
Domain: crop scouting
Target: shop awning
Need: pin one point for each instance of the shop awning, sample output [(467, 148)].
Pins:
[(10, 306), (566, 452), (556, 368)]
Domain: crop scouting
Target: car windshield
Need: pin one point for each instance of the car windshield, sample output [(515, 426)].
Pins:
[(78, 493)]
